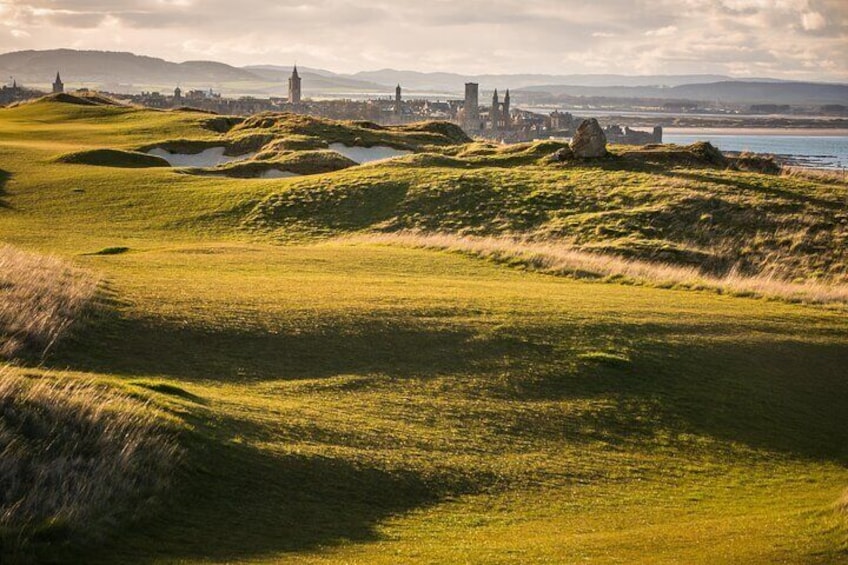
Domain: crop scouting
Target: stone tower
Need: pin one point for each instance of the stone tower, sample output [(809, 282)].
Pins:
[(58, 85), (294, 87), (398, 93), (471, 109), (178, 96), (495, 113), (507, 121)]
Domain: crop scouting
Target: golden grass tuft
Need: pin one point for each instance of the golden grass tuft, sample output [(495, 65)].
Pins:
[(842, 503), (75, 458), (40, 298), (834, 176), (561, 259)]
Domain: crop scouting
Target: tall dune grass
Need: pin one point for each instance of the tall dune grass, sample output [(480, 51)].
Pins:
[(835, 176), (75, 458), (40, 298), (561, 259)]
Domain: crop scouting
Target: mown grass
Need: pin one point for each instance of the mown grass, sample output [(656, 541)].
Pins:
[(366, 403)]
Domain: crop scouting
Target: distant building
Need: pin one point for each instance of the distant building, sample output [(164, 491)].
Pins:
[(471, 108), (627, 136), (499, 114), (495, 112), (294, 87), (58, 85), (178, 96), (398, 93), (16, 93)]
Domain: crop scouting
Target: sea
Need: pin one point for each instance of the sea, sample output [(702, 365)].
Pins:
[(813, 148)]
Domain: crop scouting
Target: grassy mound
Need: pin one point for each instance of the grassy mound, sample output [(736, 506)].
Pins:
[(40, 299), (756, 163), (76, 459), (716, 219), (297, 162), (321, 132), (699, 154), (113, 158), (78, 99)]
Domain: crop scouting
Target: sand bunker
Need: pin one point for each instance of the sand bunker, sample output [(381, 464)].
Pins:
[(367, 154), (211, 157), (277, 174)]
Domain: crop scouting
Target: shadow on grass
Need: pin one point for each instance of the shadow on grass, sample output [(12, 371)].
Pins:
[(4, 178), (236, 502), (779, 393), (797, 198), (148, 347), (768, 391)]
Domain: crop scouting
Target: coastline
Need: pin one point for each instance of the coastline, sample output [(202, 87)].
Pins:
[(800, 131)]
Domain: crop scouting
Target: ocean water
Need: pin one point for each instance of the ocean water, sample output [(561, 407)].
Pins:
[(821, 151)]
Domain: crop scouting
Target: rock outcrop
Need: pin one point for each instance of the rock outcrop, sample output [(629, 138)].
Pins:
[(589, 140)]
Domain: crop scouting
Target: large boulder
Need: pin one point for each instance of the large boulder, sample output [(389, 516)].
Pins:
[(589, 140)]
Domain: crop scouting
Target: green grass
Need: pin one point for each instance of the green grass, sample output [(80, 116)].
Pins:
[(113, 158), (362, 403)]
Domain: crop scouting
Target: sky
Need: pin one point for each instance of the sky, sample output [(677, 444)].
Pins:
[(791, 39)]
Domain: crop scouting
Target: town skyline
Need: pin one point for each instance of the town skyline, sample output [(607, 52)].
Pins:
[(729, 37)]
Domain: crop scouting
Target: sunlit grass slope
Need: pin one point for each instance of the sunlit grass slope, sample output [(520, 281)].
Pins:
[(669, 205), (347, 402)]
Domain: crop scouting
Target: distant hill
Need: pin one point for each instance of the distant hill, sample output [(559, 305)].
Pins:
[(127, 72), (109, 67), (452, 82), (318, 80), (737, 92)]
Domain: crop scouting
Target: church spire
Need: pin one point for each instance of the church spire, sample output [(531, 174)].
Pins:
[(58, 85), (294, 87)]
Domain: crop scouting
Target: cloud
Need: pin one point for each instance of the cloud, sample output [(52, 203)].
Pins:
[(813, 21), (748, 37), (662, 32)]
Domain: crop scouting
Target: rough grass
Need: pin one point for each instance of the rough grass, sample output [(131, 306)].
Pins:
[(820, 175), (76, 459), (713, 219), (40, 299), (562, 259)]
